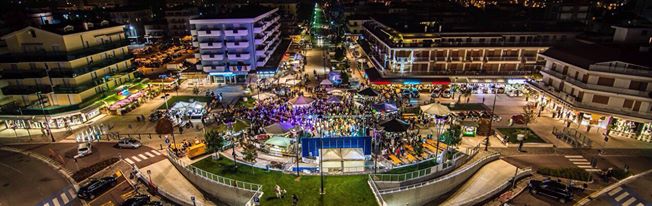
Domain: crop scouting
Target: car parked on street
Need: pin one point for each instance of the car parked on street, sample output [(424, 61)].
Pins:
[(138, 200), (96, 187), (84, 149), (128, 142), (446, 94), (552, 189)]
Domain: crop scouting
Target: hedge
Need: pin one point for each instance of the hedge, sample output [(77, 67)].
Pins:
[(568, 173)]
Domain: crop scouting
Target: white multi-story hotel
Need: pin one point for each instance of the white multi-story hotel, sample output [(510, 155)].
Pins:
[(234, 43), (599, 86), (404, 49), (63, 70)]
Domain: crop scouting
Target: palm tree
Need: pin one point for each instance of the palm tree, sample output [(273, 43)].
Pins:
[(215, 142), (528, 114), (250, 154)]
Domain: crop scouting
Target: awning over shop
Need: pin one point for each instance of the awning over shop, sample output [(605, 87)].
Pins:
[(376, 78)]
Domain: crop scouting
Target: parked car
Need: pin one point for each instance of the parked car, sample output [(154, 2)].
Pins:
[(128, 143), (551, 188), (84, 149), (95, 187), (446, 94), (138, 200)]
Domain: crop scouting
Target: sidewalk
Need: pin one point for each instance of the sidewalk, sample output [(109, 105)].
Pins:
[(172, 184)]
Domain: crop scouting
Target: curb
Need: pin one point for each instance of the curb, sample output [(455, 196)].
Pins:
[(596, 194), (65, 172)]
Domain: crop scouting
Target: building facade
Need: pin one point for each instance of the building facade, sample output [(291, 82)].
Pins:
[(428, 50), (178, 20), (233, 44), (62, 70), (134, 20), (599, 86)]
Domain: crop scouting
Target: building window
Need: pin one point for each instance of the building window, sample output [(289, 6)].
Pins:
[(604, 81), (636, 85), (628, 103), (600, 99)]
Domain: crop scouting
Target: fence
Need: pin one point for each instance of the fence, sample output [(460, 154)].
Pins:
[(417, 174), (572, 137)]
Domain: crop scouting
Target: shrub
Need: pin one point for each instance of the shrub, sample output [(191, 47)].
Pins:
[(568, 173), (86, 172)]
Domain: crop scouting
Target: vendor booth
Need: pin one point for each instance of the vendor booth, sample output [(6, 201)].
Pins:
[(279, 128), (278, 145), (343, 160), (469, 128), (193, 109)]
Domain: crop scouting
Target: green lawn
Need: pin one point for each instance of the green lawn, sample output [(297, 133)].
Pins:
[(174, 99), (512, 132), (340, 190), (412, 168)]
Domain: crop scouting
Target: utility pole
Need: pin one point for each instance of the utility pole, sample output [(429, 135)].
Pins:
[(491, 120)]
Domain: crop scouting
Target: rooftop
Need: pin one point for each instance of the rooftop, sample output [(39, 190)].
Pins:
[(245, 12), (583, 54), (77, 26)]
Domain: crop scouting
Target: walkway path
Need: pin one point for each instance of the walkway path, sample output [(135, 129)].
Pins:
[(170, 181), (489, 177)]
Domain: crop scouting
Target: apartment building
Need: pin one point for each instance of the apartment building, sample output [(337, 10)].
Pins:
[(600, 86), (425, 50), (178, 20), (232, 44), (134, 18), (62, 70)]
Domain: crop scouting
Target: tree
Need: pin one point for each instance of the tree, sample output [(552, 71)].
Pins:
[(453, 135), (250, 154), (528, 114), (214, 141)]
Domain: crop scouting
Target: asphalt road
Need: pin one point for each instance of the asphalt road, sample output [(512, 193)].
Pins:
[(28, 181), (635, 193)]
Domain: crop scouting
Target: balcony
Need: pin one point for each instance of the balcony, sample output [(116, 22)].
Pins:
[(26, 89), (68, 73), (208, 69), (243, 56), (62, 56), (208, 33), (210, 45), (636, 71), (599, 88), (260, 52), (23, 74), (237, 45), (236, 32), (212, 57)]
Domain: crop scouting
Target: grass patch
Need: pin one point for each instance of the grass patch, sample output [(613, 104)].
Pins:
[(340, 190), (568, 173), (511, 133), (174, 99), (412, 168)]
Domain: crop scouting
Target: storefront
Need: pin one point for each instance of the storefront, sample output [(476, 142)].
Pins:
[(34, 118), (228, 77)]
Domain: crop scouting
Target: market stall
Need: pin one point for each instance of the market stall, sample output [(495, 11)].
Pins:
[(469, 128), (193, 109), (278, 145)]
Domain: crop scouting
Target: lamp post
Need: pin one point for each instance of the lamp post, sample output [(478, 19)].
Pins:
[(491, 120), (47, 120)]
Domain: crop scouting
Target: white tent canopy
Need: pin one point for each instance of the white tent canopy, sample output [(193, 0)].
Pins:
[(301, 101), (292, 82), (263, 96), (435, 109), (326, 82)]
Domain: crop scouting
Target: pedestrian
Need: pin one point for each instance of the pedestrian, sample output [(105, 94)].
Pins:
[(129, 126), (295, 199)]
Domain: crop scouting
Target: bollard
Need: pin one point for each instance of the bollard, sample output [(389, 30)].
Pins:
[(150, 136), (161, 145)]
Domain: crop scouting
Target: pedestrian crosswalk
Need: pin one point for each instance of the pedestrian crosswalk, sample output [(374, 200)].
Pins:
[(142, 156), (581, 162), (622, 196), (64, 197)]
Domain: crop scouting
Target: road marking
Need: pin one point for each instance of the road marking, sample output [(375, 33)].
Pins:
[(149, 154), (573, 156), (640, 204), (156, 152), (621, 196), (64, 198), (135, 158), (593, 170), (56, 202), (578, 160), (47, 204), (129, 161), (581, 163), (585, 166), (142, 156), (630, 201), (72, 192), (12, 168)]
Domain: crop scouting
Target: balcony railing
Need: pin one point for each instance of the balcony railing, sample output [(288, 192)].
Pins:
[(214, 68), (210, 45), (235, 32), (23, 74), (243, 56), (26, 89), (457, 72), (208, 33), (595, 87), (235, 45), (79, 88), (66, 73), (212, 57), (62, 56), (622, 70)]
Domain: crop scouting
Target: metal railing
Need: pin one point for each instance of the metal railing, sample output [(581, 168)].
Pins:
[(448, 176), (479, 198), (416, 174), (251, 187), (637, 71), (572, 137), (374, 189), (63, 55)]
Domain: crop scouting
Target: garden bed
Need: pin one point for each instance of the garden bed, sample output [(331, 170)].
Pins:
[(86, 172), (510, 135), (568, 173), (340, 190)]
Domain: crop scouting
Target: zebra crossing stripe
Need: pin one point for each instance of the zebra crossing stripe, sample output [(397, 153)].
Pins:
[(573, 156), (640, 204), (156, 152), (615, 191), (584, 166), (142, 156), (149, 154), (64, 198), (46, 204), (129, 161), (622, 196), (582, 163), (593, 170), (55, 201), (578, 160), (135, 158), (629, 201)]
